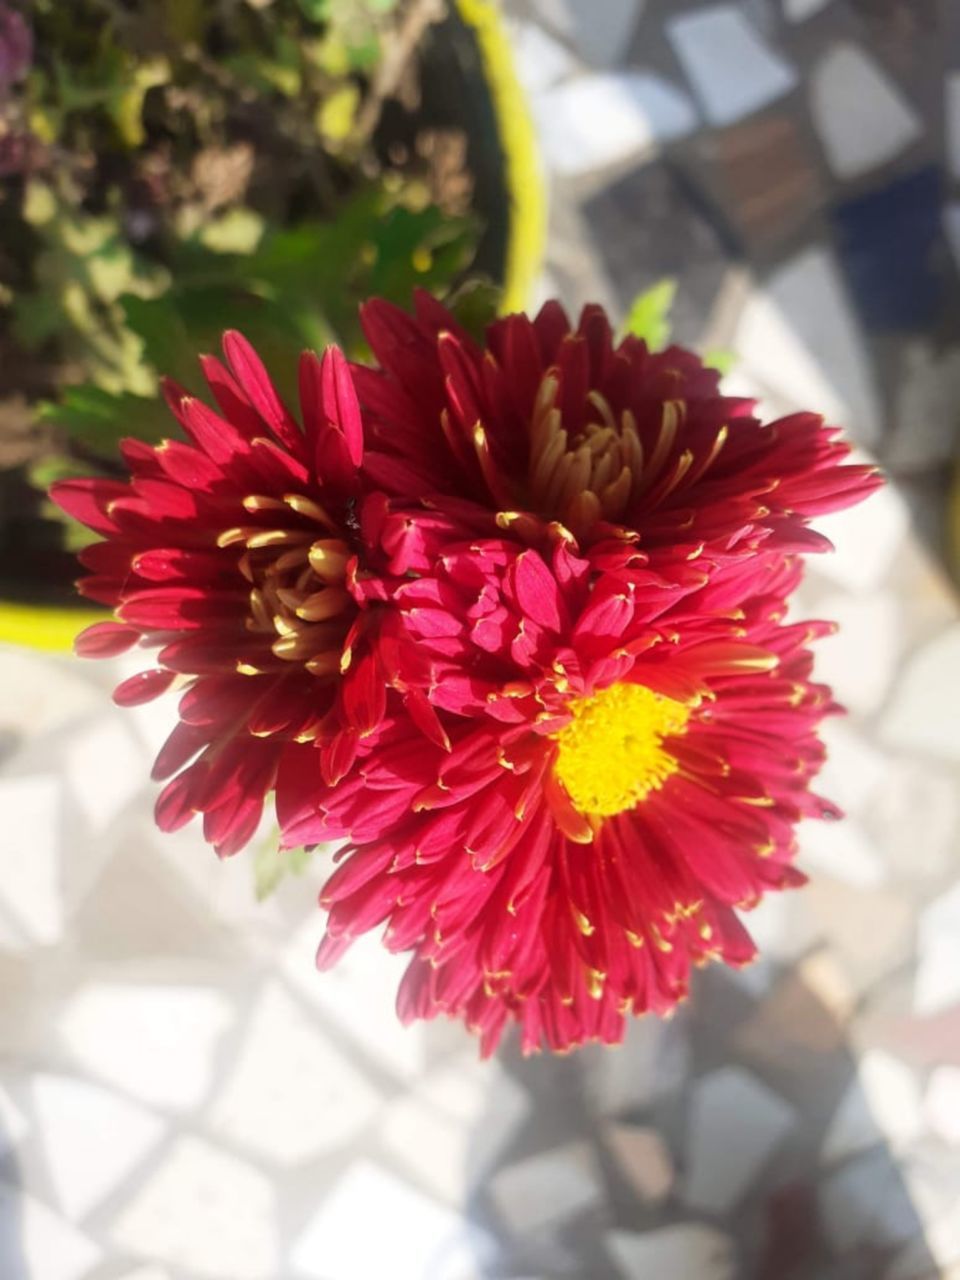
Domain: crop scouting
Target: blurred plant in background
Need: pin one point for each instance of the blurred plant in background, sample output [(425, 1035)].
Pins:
[(172, 168)]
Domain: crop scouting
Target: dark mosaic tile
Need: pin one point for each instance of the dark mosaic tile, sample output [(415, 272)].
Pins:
[(890, 244), (912, 39), (654, 224), (767, 176)]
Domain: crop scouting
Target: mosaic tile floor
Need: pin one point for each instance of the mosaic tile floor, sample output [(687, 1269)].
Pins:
[(183, 1098)]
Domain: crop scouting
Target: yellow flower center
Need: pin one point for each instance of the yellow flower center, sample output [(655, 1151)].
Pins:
[(611, 754)]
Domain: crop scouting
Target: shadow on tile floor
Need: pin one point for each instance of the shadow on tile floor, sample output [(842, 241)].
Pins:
[(733, 1142), (13, 1265)]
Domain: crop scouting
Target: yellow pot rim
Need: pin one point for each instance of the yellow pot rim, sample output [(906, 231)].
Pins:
[(53, 630), (526, 233)]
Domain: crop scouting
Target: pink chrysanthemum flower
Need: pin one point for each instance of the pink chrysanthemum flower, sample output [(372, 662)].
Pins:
[(507, 619), (591, 551), (548, 431), (620, 763), (235, 555)]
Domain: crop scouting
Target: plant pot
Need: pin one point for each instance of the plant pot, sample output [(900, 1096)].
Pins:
[(468, 85)]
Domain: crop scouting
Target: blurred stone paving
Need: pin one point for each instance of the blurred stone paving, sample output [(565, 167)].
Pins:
[(183, 1098)]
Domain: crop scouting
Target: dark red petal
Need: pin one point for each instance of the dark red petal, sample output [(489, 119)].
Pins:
[(89, 501), (143, 687), (174, 807), (105, 640), (536, 591), (340, 401), (252, 375)]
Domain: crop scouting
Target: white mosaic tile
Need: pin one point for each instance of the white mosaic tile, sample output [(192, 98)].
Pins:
[(942, 1104), (431, 1145), (860, 661), (359, 995), (42, 693), (782, 926), (798, 337), (105, 768), (685, 1249), (925, 709), (937, 980), (934, 1186), (866, 540), (936, 1246), (36, 1243), (599, 33), (548, 1188), (854, 770), (358, 1233), (736, 1123), (30, 838), (870, 931), (205, 1210), (911, 788), (540, 60), (801, 10), (862, 118), (881, 1104), (154, 1042), (460, 1087), (841, 850), (732, 71), (638, 109), (941, 919), (91, 1138), (13, 1123), (222, 890), (290, 1095)]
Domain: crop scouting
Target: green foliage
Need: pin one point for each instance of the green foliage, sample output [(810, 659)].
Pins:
[(476, 304), (300, 287), (720, 359), (649, 315), (198, 167), (99, 419), (271, 864)]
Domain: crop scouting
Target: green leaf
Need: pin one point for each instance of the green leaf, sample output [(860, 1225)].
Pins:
[(101, 419), (126, 108), (476, 305), (721, 360), (316, 10), (649, 316), (417, 247), (363, 51), (271, 864), (236, 231), (163, 334), (337, 112)]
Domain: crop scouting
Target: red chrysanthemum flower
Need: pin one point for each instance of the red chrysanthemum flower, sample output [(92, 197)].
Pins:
[(591, 583), (624, 757), (236, 555), (549, 429), (510, 621)]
